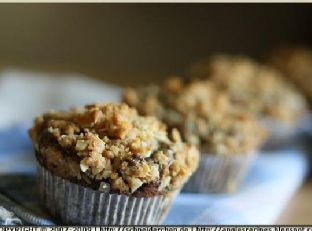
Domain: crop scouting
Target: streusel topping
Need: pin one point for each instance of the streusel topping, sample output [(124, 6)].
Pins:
[(111, 147), (296, 65), (250, 86), (201, 112)]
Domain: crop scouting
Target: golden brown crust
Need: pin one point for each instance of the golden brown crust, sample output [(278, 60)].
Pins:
[(296, 64), (201, 112), (110, 147), (259, 89)]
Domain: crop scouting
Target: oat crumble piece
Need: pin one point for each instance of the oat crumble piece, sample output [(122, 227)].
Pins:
[(111, 148)]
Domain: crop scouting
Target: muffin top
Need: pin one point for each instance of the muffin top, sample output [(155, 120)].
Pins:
[(258, 89), (111, 148), (296, 64), (201, 112)]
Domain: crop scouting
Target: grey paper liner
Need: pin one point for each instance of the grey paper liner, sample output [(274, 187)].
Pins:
[(77, 205), (219, 173), (279, 133)]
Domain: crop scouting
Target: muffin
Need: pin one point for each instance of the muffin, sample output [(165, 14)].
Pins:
[(227, 139), (106, 165), (296, 64), (259, 90)]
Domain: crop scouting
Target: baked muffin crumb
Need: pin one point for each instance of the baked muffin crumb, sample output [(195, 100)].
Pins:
[(258, 89), (203, 114), (111, 148), (296, 64)]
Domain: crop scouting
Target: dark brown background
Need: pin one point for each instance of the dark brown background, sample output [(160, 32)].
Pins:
[(138, 43)]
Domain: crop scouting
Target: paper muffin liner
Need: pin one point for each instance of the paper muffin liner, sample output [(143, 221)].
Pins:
[(219, 173), (285, 134), (279, 133), (74, 204)]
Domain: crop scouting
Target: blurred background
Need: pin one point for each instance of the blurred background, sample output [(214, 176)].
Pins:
[(138, 43)]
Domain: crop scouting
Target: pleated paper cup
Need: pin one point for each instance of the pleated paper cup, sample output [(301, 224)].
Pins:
[(77, 205), (279, 133), (219, 173)]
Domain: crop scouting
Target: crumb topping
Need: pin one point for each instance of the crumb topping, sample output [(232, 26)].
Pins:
[(201, 112), (112, 148), (256, 88), (296, 64)]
